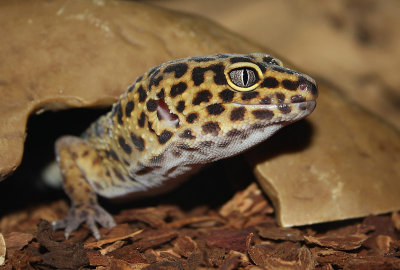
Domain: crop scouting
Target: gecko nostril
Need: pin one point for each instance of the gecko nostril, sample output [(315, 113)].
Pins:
[(309, 86), (303, 86)]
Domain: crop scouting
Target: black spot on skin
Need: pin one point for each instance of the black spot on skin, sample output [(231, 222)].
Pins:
[(161, 94), (257, 126), (283, 70), (118, 174), (267, 59), (85, 153), (165, 136), (181, 106), (297, 99), (142, 94), (108, 173), (226, 95), (187, 148), (215, 109), (303, 107), (191, 118), (152, 74), (234, 133), (149, 125), (171, 170), (290, 85), (224, 144), (151, 105), (263, 114), (97, 185), (314, 90), (130, 89), (261, 67), (270, 60), (142, 119), (129, 108), (270, 82), (239, 59), (211, 128), (157, 159), (219, 76), (114, 155), (249, 95), (202, 59), (179, 69), (207, 144), (284, 108), (144, 170), (126, 162), (155, 81), (127, 149), (117, 110), (245, 135), (187, 134), (96, 161), (237, 114), (176, 153), (137, 141), (119, 114), (154, 71), (178, 89), (266, 100), (280, 97), (139, 79), (202, 96)]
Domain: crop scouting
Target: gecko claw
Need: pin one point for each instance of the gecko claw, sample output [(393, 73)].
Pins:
[(88, 214)]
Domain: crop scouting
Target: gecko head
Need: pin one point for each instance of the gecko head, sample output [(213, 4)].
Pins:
[(219, 99)]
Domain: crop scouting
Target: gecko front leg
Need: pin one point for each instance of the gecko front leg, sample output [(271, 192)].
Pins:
[(80, 165)]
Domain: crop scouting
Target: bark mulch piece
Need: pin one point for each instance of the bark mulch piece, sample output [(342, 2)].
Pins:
[(241, 234)]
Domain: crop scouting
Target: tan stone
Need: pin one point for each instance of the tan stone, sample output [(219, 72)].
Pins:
[(349, 168)]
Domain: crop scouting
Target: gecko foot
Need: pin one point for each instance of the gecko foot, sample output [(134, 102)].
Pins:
[(90, 214)]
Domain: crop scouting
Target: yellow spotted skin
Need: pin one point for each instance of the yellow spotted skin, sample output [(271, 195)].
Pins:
[(174, 119)]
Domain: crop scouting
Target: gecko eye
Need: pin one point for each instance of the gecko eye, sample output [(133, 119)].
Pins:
[(243, 77)]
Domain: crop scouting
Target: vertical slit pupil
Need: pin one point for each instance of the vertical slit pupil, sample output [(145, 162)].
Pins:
[(245, 76)]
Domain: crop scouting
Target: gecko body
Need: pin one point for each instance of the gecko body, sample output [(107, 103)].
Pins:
[(173, 120)]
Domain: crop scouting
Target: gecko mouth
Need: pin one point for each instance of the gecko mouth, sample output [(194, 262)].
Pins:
[(301, 106)]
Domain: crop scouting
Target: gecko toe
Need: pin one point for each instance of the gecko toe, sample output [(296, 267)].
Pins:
[(91, 224), (104, 218)]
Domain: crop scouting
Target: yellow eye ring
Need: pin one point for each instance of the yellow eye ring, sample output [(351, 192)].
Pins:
[(243, 73)]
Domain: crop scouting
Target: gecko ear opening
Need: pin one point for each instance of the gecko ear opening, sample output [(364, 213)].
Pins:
[(164, 113)]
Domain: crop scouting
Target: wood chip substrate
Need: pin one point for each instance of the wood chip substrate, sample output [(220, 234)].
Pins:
[(241, 234)]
